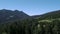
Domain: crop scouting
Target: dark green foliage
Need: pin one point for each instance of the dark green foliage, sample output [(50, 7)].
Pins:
[(31, 27), (46, 25)]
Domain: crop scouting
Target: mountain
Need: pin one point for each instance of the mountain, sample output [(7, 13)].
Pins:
[(49, 15), (9, 15)]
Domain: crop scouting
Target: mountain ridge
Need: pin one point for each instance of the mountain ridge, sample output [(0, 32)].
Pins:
[(49, 15), (9, 15)]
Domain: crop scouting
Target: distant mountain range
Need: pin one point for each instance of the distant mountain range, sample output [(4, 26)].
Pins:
[(49, 15), (9, 15)]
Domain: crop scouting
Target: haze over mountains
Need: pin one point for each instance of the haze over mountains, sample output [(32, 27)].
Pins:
[(9, 15)]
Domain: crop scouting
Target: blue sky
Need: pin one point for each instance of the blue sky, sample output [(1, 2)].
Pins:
[(31, 7)]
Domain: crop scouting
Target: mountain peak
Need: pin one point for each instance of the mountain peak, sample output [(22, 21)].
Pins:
[(9, 15)]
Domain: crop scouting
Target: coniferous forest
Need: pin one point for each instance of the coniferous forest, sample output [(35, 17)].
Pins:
[(48, 23)]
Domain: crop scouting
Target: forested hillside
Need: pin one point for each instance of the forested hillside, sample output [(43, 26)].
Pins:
[(48, 23)]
